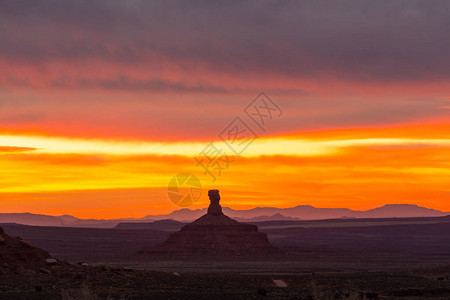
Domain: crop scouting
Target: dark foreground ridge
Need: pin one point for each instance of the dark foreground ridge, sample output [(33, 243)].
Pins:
[(216, 234), (29, 273), (19, 257)]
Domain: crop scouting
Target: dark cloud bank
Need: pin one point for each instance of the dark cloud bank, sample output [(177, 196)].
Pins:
[(382, 41)]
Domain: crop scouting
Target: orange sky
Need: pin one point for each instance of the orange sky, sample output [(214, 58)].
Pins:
[(355, 168), (101, 105)]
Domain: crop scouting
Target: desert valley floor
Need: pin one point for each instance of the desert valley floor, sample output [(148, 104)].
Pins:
[(328, 259)]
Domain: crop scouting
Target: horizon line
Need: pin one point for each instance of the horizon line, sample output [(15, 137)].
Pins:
[(181, 208)]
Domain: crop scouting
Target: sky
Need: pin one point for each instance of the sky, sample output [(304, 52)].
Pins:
[(102, 103)]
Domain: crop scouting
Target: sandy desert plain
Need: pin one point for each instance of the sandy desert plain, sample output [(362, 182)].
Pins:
[(406, 258)]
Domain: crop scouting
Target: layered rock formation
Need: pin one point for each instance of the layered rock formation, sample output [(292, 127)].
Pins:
[(216, 234)]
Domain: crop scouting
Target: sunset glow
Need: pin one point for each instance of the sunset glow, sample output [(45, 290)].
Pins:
[(323, 169), (95, 121)]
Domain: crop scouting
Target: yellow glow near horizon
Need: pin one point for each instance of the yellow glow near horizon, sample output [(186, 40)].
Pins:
[(102, 177), (261, 146), (121, 178)]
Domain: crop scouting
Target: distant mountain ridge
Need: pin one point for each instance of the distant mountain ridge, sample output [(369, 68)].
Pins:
[(308, 212), (301, 212)]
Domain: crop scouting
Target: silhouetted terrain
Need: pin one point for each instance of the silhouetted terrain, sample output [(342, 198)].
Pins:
[(164, 225), (301, 212), (411, 235), (102, 282), (67, 241), (323, 259)]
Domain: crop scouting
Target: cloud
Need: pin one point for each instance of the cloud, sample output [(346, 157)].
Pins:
[(12, 149), (368, 41), (167, 70)]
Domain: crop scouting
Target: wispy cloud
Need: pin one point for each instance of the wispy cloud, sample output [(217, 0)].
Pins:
[(13, 149)]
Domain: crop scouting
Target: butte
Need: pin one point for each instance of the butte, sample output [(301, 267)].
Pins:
[(216, 234)]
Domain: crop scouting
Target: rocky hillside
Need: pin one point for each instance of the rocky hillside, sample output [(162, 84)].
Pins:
[(19, 257)]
